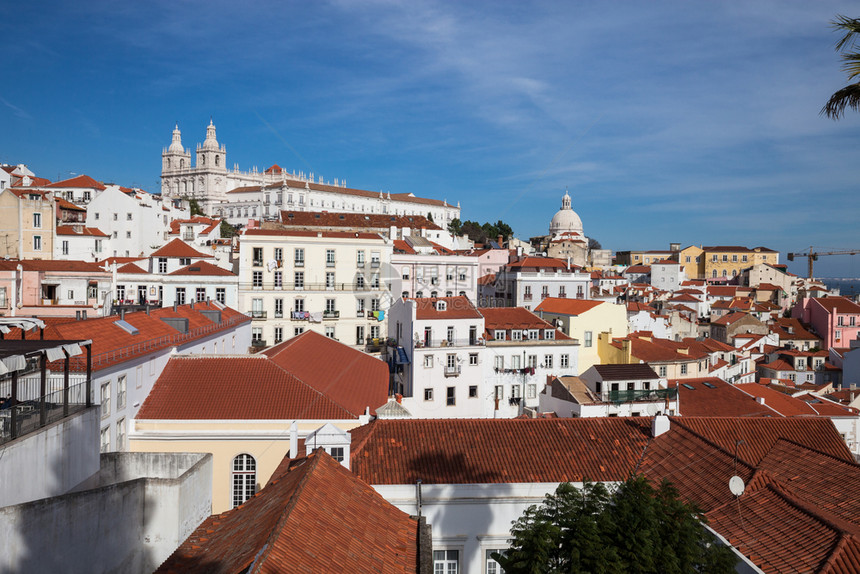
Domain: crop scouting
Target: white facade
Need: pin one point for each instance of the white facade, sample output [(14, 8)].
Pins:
[(78, 243), (331, 282), (431, 275), (209, 181), (516, 288), (447, 355), (667, 275), (137, 225), (176, 288)]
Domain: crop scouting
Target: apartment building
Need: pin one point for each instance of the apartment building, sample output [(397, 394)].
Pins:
[(335, 283)]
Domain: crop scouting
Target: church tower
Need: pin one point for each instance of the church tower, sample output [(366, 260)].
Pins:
[(175, 166), (210, 185)]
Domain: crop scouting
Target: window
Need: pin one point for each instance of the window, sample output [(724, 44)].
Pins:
[(105, 440), (37, 243), (299, 306), (450, 397), (374, 281), (734, 258), (299, 257), (279, 308), (515, 361), (374, 304), (37, 220), (473, 391), (180, 295), (120, 434), (329, 331), (646, 385), (257, 256), (499, 334), (221, 294), (299, 280), (661, 370), (374, 259), (450, 335), (120, 392), (336, 453), (279, 334), (244, 478), (65, 247), (120, 292), (428, 361), (330, 306), (498, 362), (564, 361), (329, 257), (451, 361), (329, 280), (744, 258), (725, 258), (446, 562), (359, 281), (684, 369), (532, 361), (2, 297), (547, 361), (105, 399), (256, 334), (534, 334), (98, 248), (516, 335), (97, 216), (840, 320), (549, 334), (359, 307), (115, 217), (588, 335), (279, 279), (162, 264), (428, 394), (200, 294), (531, 391), (359, 334), (473, 358), (359, 259), (298, 331)]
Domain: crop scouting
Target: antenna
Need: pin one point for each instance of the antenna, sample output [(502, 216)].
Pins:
[(736, 485)]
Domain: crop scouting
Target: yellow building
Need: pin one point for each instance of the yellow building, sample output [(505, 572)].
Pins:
[(693, 262), (726, 261), (249, 410), (27, 224), (584, 320), (670, 359)]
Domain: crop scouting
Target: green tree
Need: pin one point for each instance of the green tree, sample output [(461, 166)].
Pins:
[(227, 230), (455, 227), (193, 206), (636, 529), (849, 96)]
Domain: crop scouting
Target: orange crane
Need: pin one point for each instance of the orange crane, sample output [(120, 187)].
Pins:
[(813, 255)]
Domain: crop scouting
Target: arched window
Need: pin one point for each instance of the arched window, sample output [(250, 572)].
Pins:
[(168, 163), (714, 274), (217, 161), (244, 478), (181, 163), (725, 272)]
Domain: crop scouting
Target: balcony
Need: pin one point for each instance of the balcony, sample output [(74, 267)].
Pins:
[(374, 344), (452, 371), (448, 343), (527, 296), (188, 236), (258, 343), (256, 314), (330, 263), (331, 314), (618, 397), (299, 263)]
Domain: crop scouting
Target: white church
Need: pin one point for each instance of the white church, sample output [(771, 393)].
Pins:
[(239, 196)]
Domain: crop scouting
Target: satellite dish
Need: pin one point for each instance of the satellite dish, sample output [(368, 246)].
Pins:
[(736, 485)]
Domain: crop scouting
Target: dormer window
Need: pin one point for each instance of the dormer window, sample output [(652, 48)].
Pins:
[(516, 335), (533, 334), (441, 305), (549, 334), (499, 334)]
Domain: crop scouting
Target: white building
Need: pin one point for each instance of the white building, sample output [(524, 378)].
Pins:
[(529, 280), (522, 350), (136, 284), (428, 270), (81, 243), (238, 196), (137, 223), (332, 282), (444, 346), (667, 275)]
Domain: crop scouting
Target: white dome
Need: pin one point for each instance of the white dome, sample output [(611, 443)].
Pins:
[(176, 143), (565, 219)]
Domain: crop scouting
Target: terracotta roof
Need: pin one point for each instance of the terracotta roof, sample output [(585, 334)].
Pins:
[(455, 308), (401, 246), (685, 298), (778, 365), (68, 205), (315, 517), (81, 181), (274, 169), (119, 260), (300, 233), (635, 307), (713, 397), (176, 224), (637, 269), (203, 268), (626, 372), (488, 279), (788, 406), (34, 182), (507, 318), (178, 248), (539, 263), (353, 220), (567, 306), (654, 349), (722, 290), (246, 189), (346, 376), (730, 318), (841, 304), (58, 265), (80, 230), (200, 387), (132, 268), (727, 248)]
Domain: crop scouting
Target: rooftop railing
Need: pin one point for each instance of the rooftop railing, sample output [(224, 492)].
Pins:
[(625, 396)]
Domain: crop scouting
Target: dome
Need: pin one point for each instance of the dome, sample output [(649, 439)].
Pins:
[(176, 144), (565, 219), (210, 142)]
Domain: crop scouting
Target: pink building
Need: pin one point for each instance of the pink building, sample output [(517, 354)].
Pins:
[(835, 319)]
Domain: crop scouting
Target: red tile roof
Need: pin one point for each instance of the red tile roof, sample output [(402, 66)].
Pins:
[(455, 308), (203, 268), (246, 189), (401, 246), (79, 182), (355, 220), (68, 205), (316, 517), (717, 398), (539, 263), (71, 266), (344, 375), (200, 387), (507, 318), (178, 248), (567, 306), (132, 268), (841, 304), (788, 406), (80, 230), (300, 233), (637, 269), (488, 279)]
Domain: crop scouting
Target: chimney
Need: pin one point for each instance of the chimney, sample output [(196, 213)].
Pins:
[(174, 306), (192, 303), (500, 240), (759, 400), (84, 315), (660, 425), (294, 440), (78, 315), (122, 314)]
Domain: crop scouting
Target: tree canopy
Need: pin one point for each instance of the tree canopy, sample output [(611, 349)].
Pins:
[(637, 528), (849, 96), (481, 233)]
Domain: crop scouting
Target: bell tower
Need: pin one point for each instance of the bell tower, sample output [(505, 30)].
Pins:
[(175, 165)]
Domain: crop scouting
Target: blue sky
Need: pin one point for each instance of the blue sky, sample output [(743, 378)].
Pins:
[(668, 121)]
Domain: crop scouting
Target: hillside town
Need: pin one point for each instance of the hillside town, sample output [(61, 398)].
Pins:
[(266, 370)]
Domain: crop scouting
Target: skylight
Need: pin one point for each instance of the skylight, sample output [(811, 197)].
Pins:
[(127, 327), (691, 387)]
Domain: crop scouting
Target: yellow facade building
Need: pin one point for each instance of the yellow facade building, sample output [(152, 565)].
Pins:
[(28, 224)]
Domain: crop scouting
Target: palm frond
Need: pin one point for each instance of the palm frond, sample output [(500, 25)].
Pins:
[(851, 64), (851, 26), (849, 96)]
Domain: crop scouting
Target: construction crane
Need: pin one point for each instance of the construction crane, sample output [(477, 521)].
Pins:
[(813, 255)]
